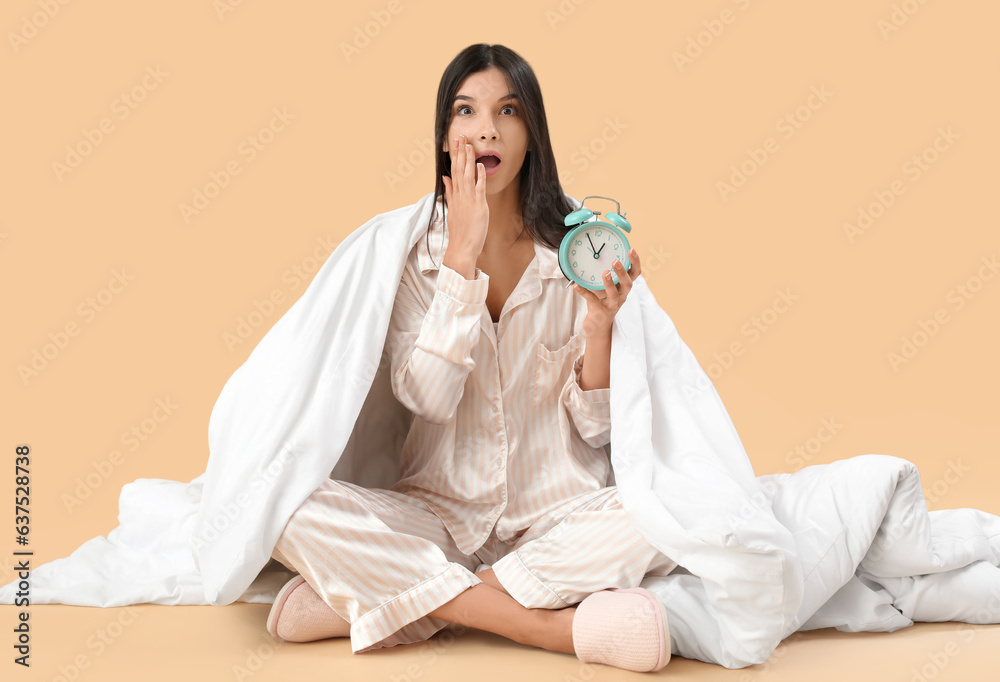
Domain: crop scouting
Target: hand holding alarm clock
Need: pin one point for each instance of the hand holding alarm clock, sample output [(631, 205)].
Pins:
[(591, 249), (593, 246)]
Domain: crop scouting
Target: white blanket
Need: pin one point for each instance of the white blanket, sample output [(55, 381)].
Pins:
[(849, 545)]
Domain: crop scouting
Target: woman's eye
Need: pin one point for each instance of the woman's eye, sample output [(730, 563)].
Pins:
[(512, 108)]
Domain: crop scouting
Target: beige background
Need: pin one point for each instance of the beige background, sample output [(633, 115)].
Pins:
[(653, 104)]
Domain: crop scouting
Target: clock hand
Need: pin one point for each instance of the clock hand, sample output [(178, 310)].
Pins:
[(598, 255), (592, 246)]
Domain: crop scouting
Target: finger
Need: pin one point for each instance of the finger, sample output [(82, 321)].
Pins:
[(480, 181), (610, 287), (452, 154), (623, 275), (460, 172), (470, 166), (625, 287), (454, 173), (585, 292), (456, 166), (636, 268)]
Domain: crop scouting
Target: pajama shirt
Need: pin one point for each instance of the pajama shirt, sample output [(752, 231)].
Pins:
[(504, 464)]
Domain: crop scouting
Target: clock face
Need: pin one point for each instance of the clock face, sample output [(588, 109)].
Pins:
[(591, 250)]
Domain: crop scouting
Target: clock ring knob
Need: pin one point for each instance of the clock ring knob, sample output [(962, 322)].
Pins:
[(619, 221), (579, 216)]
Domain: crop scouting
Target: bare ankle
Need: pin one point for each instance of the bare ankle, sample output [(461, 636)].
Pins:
[(554, 630)]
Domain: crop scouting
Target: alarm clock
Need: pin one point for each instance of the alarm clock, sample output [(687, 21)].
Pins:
[(590, 248)]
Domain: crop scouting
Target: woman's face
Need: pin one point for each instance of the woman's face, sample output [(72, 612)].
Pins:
[(490, 120)]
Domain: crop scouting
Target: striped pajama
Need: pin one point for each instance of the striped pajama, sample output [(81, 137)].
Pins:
[(502, 431), (383, 560), (504, 464)]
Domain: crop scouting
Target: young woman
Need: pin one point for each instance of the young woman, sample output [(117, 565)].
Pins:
[(503, 514)]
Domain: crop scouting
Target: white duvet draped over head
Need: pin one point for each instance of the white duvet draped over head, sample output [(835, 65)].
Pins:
[(759, 557)]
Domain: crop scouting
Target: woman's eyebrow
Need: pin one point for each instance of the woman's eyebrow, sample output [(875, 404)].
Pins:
[(473, 99)]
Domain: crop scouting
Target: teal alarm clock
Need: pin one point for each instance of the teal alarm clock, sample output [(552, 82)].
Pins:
[(589, 249)]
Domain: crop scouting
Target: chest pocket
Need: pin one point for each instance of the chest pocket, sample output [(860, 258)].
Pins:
[(553, 368)]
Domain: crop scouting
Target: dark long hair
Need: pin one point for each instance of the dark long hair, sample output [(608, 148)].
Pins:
[(543, 203)]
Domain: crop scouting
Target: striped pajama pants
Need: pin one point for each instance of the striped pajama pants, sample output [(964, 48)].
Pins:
[(383, 560)]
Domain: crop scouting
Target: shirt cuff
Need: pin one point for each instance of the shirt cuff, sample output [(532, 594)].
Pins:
[(590, 410), (594, 395), (469, 291)]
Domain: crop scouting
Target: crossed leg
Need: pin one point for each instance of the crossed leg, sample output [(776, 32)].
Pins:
[(423, 582), (489, 607), (556, 587)]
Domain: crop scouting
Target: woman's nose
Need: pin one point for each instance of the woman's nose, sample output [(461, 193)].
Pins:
[(489, 131)]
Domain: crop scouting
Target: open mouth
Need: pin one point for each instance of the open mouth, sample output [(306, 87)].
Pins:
[(490, 163)]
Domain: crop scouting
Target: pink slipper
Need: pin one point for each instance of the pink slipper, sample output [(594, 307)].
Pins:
[(624, 628), (300, 615)]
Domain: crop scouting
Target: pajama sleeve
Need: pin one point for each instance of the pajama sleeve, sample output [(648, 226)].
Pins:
[(589, 410), (431, 346)]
